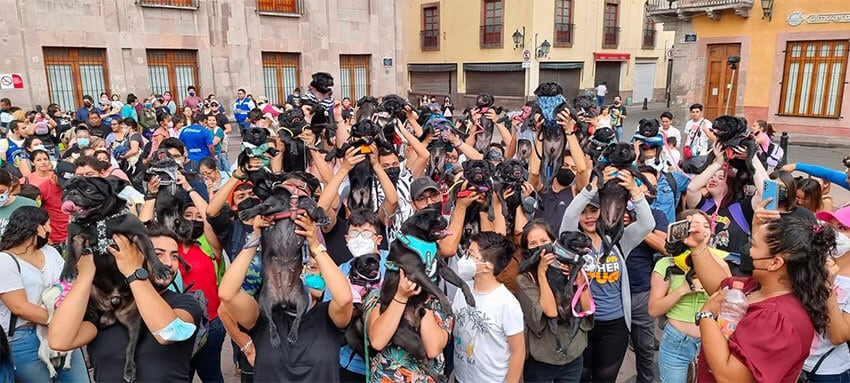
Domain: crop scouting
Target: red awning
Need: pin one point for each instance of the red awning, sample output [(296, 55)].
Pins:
[(607, 56)]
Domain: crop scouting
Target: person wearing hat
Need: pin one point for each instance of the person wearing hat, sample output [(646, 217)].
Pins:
[(425, 193)]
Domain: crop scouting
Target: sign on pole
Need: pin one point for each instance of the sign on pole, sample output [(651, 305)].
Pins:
[(526, 58), (11, 81)]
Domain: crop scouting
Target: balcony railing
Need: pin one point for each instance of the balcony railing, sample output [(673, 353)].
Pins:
[(281, 7), (563, 34), (610, 37), (684, 9), (430, 39), (648, 39), (182, 4), (491, 36)]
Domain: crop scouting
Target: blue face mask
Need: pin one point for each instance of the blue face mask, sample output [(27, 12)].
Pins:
[(449, 165), (83, 142), (177, 331), (148, 105), (314, 281)]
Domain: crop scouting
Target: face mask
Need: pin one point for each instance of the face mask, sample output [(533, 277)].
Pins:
[(170, 124), (393, 172), (842, 244), (466, 268), (148, 105), (192, 94), (449, 166), (4, 198), (247, 204), (177, 331), (360, 246), (41, 241), (83, 142), (197, 229), (314, 281), (39, 147), (87, 103), (176, 284), (166, 98), (104, 100), (565, 177)]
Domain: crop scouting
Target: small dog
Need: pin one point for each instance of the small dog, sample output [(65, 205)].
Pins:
[(478, 176), (523, 149), (601, 139), (732, 133), (322, 82), (572, 248), (613, 198), (362, 177), (550, 102), (366, 107), (647, 133), (295, 155), (415, 252), (53, 359), (683, 264), (170, 198), (510, 175), (96, 215), (284, 254), (484, 103), (438, 147), (364, 276)]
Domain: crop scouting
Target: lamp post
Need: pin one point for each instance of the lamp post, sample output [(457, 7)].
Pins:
[(767, 9), (519, 38)]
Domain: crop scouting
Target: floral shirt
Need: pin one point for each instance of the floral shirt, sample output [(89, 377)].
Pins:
[(394, 364)]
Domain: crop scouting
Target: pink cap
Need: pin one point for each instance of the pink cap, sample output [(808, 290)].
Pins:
[(841, 215)]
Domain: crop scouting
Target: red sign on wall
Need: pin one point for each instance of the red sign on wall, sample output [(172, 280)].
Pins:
[(606, 56)]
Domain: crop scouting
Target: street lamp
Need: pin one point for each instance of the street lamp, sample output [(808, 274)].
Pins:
[(519, 38), (543, 49), (767, 9)]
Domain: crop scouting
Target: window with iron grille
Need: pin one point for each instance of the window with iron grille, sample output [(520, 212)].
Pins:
[(354, 76), (491, 24), (173, 70), (170, 3), (610, 25), (278, 6), (563, 22), (281, 74), (813, 78), (648, 33), (431, 27), (73, 73)]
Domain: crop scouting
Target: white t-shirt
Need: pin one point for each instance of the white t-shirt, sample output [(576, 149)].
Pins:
[(697, 139), (601, 90), (673, 132), (839, 360), (481, 334), (31, 279)]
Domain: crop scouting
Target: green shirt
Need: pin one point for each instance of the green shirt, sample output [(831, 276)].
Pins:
[(685, 309), (7, 210)]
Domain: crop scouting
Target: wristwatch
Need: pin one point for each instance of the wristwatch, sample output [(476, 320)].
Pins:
[(702, 315), (138, 275)]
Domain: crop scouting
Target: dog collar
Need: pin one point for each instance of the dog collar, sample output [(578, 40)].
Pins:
[(426, 250), (103, 241)]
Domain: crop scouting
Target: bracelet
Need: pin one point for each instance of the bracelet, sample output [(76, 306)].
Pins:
[(149, 197), (191, 190), (241, 178), (246, 346), (404, 303)]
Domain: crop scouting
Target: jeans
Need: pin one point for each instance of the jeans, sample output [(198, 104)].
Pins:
[(643, 337), (535, 371), (843, 377), (29, 368), (244, 124), (619, 132), (223, 162), (676, 352), (207, 362), (600, 101)]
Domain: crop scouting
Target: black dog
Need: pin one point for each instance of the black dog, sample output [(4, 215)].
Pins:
[(390, 112), (510, 175), (366, 107), (438, 147), (732, 133), (648, 129), (295, 155), (479, 178), (96, 215), (613, 197), (255, 145), (170, 198), (364, 276), (284, 254), (550, 102), (320, 119), (601, 139), (679, 252), (415, 252), (573, 249), (322, 82), (484, 103), (361, 178)]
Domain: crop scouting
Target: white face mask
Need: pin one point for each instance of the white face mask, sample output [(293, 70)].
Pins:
[(842, 244), (360, 246), (4, 198), (466, 268)]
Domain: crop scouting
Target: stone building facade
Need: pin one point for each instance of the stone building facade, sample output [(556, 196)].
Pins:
[(66, 48)]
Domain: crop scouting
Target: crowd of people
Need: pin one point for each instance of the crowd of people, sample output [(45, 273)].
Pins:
[(791, 257)]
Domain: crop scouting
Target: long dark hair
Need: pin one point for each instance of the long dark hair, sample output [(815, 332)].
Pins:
[(22, 226), (537, 223), (804, 247)]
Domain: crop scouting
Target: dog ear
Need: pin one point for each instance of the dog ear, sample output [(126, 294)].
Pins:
[(115, 184)]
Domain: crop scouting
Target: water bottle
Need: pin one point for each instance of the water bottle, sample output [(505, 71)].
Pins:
[(733, 309)]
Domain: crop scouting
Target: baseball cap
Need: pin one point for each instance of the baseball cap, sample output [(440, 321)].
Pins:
[(421, 185), (841, 215), (594, 201)]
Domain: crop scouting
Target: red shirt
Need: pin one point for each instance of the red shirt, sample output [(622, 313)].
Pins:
[(202, 277), (51, 202), (772, 340)]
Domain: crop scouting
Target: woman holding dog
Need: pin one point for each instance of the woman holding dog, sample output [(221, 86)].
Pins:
[(30, 267), (670, 296)]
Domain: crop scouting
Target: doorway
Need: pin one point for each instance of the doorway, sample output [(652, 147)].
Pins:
[(608, 71), (719, 97)]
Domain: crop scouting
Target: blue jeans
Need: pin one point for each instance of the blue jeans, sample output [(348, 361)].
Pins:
[(619, 131), (223, 162), (600, 101), (675, 353), (535, 371), (207, 362), (843, 377), (29, 368)]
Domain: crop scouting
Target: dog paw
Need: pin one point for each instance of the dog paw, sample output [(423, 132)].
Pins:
[(130, 374), (293, 335), (274, 339)]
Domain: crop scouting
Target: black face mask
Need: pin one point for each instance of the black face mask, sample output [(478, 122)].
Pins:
[(197, 229), (782, 197), (247, 204), (41, 241), (565, 177), (393, 172), (86, 104), (436, 205), (536, 251)]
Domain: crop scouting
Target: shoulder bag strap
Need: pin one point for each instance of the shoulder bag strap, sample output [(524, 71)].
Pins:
[(822, 358), (12, 317)]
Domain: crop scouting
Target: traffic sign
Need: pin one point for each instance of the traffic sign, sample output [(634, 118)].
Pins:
[(11, 81), (526, 56)]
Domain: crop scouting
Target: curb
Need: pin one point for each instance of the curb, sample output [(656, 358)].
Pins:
[(819, 144)]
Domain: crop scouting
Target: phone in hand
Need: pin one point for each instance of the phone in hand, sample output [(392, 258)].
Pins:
[(678, 230), (771, 190), (38, 109)]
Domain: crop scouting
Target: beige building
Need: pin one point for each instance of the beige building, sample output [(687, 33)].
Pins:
[(64, 49), (461, 48)]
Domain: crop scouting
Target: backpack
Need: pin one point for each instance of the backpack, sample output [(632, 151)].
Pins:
[(736, 212), (773, 155), (147, 119)]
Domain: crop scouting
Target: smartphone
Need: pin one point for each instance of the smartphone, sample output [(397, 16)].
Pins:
[(678, 230), (771, 190)]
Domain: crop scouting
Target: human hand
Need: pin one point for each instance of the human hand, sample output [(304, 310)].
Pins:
[(85, 265), (406, 288), (251, 354), (182, 182), (373, 158), (307, 230), (713, 303), (565, 121), (789, 167), (546, 259), (308, 137), (153, 185), (475, 114), (762, 215), (719, 154), (352, 158), (127, 255), (464, 202), (527, 189), (259, 223), (538, 121), (627, 181), (491, 115), (608, 173)]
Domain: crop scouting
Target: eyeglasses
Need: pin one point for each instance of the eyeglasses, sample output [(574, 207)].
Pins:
[(357, 233), (468, 254), (430, 197), (311, 269), (208, 173)]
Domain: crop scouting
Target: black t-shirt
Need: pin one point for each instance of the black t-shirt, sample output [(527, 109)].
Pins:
[(154, 362), (231, 232), (221, 120), (313, 358), (553, 206), (99, 130), (729, 235), (335, 239), (641, 260)]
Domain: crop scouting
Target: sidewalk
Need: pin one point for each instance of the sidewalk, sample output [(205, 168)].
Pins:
[(816, 141)]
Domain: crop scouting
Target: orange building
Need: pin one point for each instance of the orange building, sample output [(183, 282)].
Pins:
[(793, 60)]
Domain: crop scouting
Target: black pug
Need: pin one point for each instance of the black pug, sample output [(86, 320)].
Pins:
[(391, 110), (484, 102), (322, 82), (550, 102), (320, 119), (255, 145), (613, 197), (364, 276), (681, 260), (438, 148), (573, 249), (284, 254), (366, 107), (295, 154), (362, 178), (649, 128), (415, 252), (479, 178), (582, 110), (601, 139), (170, 198), (732, 133), (96, 215), (511, 175)]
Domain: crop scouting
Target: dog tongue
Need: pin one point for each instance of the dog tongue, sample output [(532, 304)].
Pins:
[(70, 207)]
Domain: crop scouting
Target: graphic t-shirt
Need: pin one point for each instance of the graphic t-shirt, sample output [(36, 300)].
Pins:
[(696, 138), (729, 234), (481, 352), (197, 139), (606, 285)]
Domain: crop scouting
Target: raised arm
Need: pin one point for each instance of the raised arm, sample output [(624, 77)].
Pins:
[(68, 330)]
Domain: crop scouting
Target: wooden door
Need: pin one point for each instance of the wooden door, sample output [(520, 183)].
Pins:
[(718, 76)]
